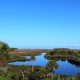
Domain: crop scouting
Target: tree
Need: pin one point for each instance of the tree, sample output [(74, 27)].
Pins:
[(33, 58), (4, 49)]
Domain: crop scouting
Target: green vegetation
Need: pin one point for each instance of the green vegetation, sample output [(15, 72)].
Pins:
[(38, 73), (14, 57), (4, 49), (11, 72), (64, 53)]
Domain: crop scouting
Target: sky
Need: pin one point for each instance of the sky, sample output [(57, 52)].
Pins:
[(40, 23)]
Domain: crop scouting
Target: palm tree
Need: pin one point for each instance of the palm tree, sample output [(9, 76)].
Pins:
[(52, 65), (33, 58), (4, 49)]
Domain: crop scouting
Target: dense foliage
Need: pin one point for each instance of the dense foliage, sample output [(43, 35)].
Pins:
[(38, 73), (4, 50), (64, 53)]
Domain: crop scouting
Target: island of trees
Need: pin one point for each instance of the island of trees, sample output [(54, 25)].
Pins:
[(72, 54)]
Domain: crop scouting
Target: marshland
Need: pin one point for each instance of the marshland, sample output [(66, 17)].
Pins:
[(39, 64), (39, 39)]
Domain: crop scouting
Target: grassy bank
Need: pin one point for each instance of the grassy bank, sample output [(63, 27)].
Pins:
[(17, 55)]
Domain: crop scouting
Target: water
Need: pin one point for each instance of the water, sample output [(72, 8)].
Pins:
[(39, 61), (65, 67)]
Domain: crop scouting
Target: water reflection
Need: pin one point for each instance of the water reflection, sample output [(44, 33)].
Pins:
[(76, 63), (67, 68)]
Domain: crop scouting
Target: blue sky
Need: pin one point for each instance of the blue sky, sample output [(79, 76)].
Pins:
[(40, 23)]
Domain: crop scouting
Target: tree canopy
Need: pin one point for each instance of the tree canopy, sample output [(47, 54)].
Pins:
[(4, 49)]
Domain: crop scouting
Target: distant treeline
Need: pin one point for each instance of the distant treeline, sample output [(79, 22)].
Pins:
[(12, 49)]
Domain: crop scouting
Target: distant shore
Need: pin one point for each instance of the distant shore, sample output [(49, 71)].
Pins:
[(28, 51)]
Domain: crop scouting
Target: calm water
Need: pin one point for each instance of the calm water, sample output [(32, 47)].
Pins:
[(66, 67), (39, 61)]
